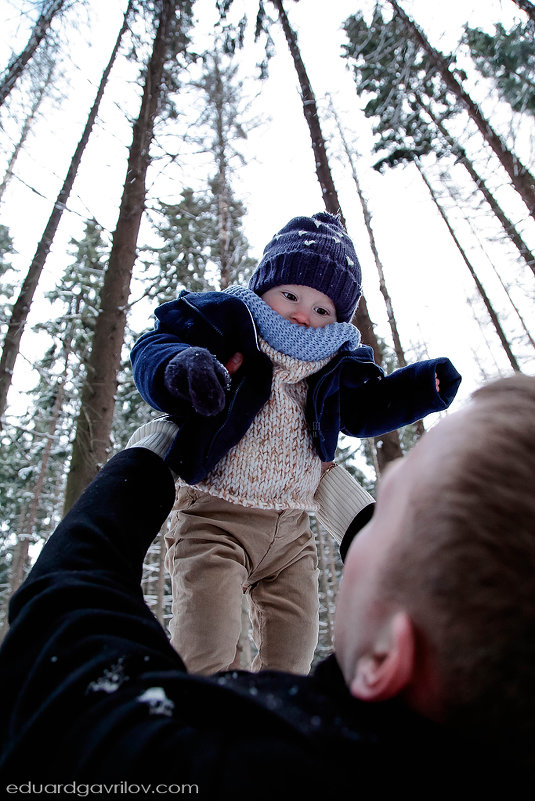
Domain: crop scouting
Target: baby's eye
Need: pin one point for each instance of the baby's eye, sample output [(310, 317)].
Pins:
[(289, 295), (320, 310)]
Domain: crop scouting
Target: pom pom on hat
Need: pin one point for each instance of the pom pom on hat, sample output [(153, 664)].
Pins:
[(316, 252)]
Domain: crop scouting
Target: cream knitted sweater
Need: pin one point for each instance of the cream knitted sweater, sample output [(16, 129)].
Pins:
[(274, 466)]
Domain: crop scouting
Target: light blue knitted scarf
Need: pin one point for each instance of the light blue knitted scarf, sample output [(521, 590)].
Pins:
[(298, 341)]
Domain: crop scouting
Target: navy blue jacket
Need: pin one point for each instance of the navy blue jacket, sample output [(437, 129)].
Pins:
[(350, 394)]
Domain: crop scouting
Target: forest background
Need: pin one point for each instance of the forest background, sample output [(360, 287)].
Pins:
[(147, 147)]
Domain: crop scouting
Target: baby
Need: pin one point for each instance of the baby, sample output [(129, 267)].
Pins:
[(260, 381)]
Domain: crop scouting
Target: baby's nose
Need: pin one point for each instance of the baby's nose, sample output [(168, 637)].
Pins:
[(301, 317)]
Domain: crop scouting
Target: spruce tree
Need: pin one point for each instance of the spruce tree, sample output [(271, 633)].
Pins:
[(507, 58), (37, 444), (412, 106)]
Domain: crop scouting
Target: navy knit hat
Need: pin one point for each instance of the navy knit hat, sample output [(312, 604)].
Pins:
[(317, 252)]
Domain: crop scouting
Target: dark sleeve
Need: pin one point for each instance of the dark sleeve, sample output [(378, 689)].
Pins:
[(149, 357), (403, 397), (79, 613), (357, 524)]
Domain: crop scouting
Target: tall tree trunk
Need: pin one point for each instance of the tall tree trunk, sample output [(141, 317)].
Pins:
[(150, 581), (520, 177), (388, 446), (91, 445), (21, 308), (326, 617), (244, 654), (497, 273), (39, 94), (153, 579), (15, 68), (398, 348), (485, 372), (400, 355), (492, 314), (515, 307), (508, 226), (310, 110), (222, 185), (160, 581), (28, 521)]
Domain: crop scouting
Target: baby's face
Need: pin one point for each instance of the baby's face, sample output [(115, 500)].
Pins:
[(301, 304)]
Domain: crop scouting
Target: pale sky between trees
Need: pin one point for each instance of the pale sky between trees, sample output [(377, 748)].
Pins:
[(428, 282)]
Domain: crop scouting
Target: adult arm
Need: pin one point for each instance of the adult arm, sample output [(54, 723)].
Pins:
[(79, 616)]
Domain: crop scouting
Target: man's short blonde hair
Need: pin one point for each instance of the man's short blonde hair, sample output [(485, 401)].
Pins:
[(466, 568)]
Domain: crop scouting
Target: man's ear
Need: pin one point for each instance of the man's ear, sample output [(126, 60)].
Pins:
[(389, 666)]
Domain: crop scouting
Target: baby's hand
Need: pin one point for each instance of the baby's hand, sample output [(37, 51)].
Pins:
[(234, 363), (437, 383), (197, 376)]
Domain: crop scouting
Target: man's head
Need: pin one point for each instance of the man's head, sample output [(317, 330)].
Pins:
[(313, 252), (437, 604)]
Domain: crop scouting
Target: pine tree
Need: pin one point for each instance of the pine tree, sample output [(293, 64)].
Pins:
[(39, 85), (91, 446), (508, 58), (39, 441), (480, 288), (411, 105), (190, 254), (15, 495), (222, 124), (14, 70), (396, 339), (510, 229), (397, 76), (188, 231), (519, 175), (22, 305), (203, 245)]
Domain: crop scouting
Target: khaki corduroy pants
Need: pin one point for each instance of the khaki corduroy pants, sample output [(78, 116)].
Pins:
[(216, 551)]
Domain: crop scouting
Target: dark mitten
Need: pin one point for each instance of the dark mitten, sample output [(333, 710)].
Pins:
[(449, 379), (197, 376)]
